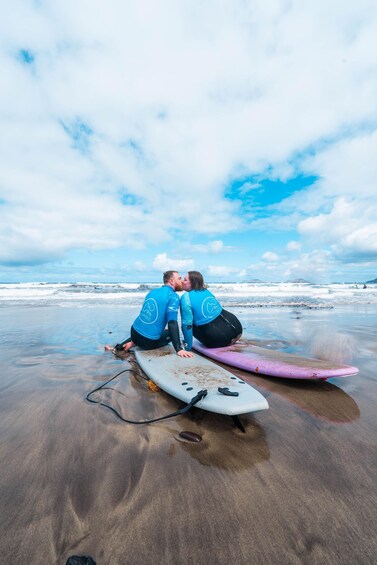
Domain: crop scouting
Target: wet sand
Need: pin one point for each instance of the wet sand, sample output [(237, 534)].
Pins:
[(299, 487)]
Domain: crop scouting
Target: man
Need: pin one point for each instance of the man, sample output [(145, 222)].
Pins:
[(160, 308)]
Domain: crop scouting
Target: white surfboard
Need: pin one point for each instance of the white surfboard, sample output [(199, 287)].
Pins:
[(185, 377)]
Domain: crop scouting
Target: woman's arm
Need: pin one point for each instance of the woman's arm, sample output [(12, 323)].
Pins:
[(187, 320)]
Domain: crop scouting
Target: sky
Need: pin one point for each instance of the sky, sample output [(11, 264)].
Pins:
[(237, 138)]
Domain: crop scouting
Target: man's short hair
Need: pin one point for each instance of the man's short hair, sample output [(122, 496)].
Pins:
[(168, 275)]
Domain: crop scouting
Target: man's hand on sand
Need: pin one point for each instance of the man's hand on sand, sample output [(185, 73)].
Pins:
[(125, 347), (183, 353)]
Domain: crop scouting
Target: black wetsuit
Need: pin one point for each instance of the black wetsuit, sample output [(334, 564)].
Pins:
[(222, 331)]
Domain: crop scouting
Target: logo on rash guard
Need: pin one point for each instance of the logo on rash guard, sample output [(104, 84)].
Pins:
[(210, 307), (149, 311)]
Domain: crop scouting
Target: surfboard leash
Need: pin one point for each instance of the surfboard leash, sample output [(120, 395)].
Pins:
[(199, 396)]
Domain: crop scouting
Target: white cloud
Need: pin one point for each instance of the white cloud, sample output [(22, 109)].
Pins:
[(248, 187), (314, 266), (270, 257), (140, 267), (221, 270), (215, 246), (130, 119), (349, 229), (348, 225), (293, 246), (242, 274), (164, 263)]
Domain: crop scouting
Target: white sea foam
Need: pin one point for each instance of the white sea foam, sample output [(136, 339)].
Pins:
[(297, 295)]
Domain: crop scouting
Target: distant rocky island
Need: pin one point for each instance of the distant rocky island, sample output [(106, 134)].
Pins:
[(303, 281), (294, 281), (299, 281), (252, 281)]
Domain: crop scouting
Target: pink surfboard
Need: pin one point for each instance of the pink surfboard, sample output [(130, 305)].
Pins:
[(274, 363)]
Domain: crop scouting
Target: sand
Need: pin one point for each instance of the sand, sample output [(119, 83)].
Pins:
[(299, 487)]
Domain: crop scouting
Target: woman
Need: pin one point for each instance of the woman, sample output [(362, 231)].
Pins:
[(203, 316)]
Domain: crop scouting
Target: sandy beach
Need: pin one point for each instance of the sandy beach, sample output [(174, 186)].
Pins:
[(298, 487)]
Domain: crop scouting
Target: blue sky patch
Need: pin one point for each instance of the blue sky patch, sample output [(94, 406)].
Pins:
[(26, 56), (130, 199), (256, 193), (136, 148), (80, 134)]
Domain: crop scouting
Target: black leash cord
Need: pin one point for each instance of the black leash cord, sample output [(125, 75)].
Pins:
[(201, 394)]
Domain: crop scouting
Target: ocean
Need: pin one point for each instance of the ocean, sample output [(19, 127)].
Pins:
[(254, 295)]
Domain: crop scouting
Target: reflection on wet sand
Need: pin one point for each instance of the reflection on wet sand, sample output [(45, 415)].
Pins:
[(222, 445), (321, 399)]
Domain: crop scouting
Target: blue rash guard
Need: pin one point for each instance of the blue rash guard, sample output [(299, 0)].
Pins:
[(198, 307), (160, 307)]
